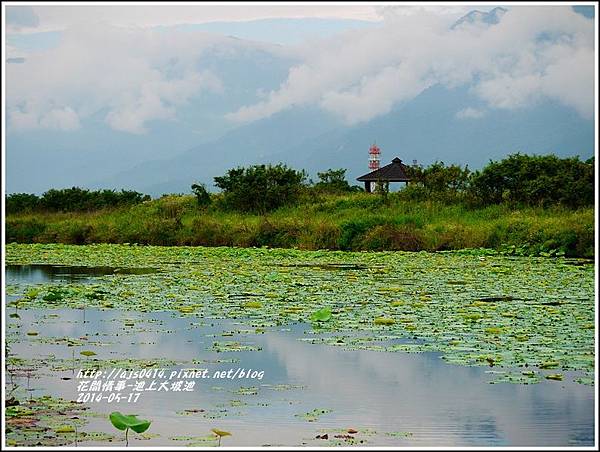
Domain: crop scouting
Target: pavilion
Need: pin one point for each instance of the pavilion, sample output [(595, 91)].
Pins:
[(394, 172)]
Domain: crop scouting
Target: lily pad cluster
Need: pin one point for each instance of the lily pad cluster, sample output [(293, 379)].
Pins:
[(476, 308)]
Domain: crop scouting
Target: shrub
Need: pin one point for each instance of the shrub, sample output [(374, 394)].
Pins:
[(535, 180), (321, 236), (260, 188), (392, 237), (209, 232), (27, 230), (351, 231), (21, 202), (75, 233), (334, 181), (276, 235), (72, 200), (437, 182), (202, 195), (172, 206), (162, 232)]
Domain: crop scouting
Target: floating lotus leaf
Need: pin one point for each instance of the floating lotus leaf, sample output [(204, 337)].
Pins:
[(125, 421), (322, 315)]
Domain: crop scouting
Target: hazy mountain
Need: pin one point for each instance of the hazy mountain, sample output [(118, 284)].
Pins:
[(480, 17), (440, 124), (253, 143), (428, 129), (41, 159), (425, 129)]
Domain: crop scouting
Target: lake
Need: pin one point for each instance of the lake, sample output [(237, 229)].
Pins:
[(460, 355)]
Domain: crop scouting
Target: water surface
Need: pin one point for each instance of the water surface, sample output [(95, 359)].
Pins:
[(384, 394)]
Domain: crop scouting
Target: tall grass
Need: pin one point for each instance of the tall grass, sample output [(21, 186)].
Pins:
[(357, 221)]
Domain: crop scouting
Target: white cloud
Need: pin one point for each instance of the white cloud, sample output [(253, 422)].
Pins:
[(470, 113), (34, 115), (375, 94), (534, 53), (58, 17), (132, 76), (157, 100), (61, 119)]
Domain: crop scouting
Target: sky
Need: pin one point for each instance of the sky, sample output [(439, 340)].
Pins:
[(133, 65)]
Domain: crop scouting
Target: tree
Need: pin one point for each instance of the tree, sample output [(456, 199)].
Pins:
[(19, 202), (438, 182), (261, 188), (333, 181), (73, 199), (535, 180), (202, 195)]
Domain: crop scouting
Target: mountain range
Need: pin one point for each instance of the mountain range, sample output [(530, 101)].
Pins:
[(445, 124)]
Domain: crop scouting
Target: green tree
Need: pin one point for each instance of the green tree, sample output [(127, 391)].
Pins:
[(535, 180), (333, 181), (20, 202), (202, 195), (261, 188), (72, 199), (438, 181)]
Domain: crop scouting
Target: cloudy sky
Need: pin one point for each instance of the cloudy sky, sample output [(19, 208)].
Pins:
[(131, 65)]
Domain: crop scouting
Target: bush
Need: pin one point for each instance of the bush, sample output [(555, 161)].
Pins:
[(202, 195), (162, 231), (72, 200), (260, 188), (323, 235), (437, 182), (276, 235), (334, 181), (535, 180), (352, 231), (28, 230), (172, 206), (21, 202), (392, 237)]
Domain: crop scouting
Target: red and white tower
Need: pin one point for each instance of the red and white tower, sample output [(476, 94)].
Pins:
[(374, 157)]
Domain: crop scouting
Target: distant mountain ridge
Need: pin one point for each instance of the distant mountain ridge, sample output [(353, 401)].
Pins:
[(200, 143), (490, 18), (426, 129)]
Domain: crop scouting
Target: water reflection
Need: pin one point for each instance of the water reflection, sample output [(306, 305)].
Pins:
[(440, 404), (43, 273)]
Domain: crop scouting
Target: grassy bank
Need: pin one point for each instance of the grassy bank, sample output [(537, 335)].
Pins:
[(356, 221)]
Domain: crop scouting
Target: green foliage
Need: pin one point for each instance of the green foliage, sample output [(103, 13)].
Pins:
[(437, 182), (27, 230), (127, 422), (535, 180), (21, 202), (260, 188), (202, 195), (382, 188), (72, 200), (322, 315), (334, 181), (357, 221), (353, 229), (517, 180), (439, 211), (392, 237)]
